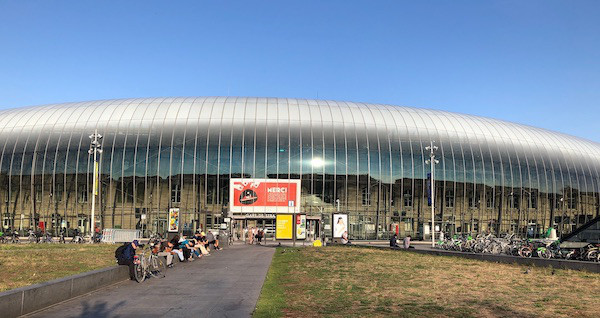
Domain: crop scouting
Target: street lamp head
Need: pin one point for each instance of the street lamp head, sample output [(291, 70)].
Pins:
[(95, 136), (436, 161), (427, 148), (435, 148)]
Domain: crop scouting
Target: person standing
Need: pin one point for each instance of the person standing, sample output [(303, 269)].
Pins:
[(126, 256), (261, 234), (251, 236)]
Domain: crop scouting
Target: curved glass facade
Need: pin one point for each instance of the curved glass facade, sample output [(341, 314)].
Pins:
[(364, 159)]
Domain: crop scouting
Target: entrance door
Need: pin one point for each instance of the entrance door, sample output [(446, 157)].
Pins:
[(313, 230), (160, 225)]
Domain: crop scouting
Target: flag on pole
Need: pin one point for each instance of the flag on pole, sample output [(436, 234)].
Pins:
[(96, 178), (429, 189)]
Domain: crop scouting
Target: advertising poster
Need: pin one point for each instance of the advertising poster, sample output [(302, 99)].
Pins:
[(284, 227), (301, 226), (174, 220), (264, 196), (340, 224)]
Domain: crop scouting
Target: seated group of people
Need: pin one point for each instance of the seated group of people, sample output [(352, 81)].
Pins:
[(187, 249), (405, 242)]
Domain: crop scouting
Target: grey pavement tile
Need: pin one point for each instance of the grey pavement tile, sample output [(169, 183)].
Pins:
[(226, 284)]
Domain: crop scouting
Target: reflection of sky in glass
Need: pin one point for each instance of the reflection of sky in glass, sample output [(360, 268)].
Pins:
[(337, 149)]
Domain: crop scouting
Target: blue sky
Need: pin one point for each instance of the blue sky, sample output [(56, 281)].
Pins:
[(532, 62)]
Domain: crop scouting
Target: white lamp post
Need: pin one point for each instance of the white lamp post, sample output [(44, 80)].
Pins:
[(95, 149), (431, 148)]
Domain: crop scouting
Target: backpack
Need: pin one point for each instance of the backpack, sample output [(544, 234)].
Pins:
[(119, 251)]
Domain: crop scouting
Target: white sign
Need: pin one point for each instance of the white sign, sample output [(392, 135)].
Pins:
[(340, 225)]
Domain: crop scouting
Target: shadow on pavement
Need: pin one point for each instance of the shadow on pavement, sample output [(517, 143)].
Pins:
[(99, 309)]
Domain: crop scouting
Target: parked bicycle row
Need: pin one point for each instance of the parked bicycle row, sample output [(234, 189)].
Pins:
[(14, 237), (510, 244), (153, 258)]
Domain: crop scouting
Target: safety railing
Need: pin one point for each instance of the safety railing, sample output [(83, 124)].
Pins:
[(120, 235)]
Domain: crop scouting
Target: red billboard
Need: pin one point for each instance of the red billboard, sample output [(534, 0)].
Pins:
[(264, 195)]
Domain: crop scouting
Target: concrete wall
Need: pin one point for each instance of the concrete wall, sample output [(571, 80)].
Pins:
[(28, 299)]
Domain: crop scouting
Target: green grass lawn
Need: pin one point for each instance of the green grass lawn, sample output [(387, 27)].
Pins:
[(26, 264), (358, 282)]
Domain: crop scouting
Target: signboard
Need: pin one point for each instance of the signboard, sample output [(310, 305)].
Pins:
[(174, 220), (264, 196), (284, 227), (340, 224), (301, 226)]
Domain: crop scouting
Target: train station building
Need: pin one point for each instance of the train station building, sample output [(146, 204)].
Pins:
[(367, 161)]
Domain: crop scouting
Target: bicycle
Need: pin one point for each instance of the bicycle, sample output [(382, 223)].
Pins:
[(155, 237), (550, 250), (77, 239), (526, 250), (14, 239), (33, 238), (47, 239), (96, 238), (591, 253), (152, 265)]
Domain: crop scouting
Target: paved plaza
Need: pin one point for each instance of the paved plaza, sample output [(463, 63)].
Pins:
[(224, 284)]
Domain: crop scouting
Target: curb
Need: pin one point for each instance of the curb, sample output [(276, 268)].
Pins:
[(24, 300), (506, 259)]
